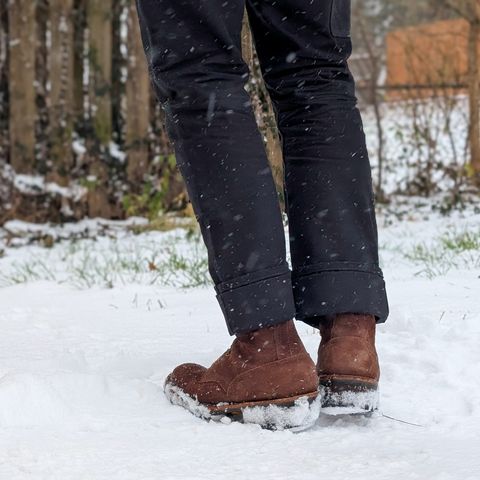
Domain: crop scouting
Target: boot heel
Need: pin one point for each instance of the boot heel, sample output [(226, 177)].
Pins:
[(348, 397)]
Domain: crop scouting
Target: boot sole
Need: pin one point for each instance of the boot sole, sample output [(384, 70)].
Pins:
[(348, 396), (298, 412)]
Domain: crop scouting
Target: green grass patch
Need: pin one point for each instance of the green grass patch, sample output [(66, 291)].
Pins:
[(453, 250), (176, 260)]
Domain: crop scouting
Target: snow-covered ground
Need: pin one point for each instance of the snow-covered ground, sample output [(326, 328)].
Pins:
[(90, 330)]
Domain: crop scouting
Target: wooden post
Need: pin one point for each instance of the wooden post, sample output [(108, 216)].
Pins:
[(79, 29), (474, 89), (99, 21), (138, 104), (22, 111), (99, 24), (61, 61), (264, 114), (3, 81)]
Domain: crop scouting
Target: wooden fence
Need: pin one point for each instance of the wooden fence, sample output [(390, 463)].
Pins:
[(77, 108), (427, 60), (81, 133)]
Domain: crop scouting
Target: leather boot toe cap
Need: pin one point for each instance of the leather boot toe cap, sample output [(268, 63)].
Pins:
[(186, 376)]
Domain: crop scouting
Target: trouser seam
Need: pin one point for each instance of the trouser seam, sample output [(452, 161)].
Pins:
[(317, 269), (252, 278), (333, 270)]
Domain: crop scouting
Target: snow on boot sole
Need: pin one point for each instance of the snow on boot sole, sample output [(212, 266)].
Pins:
[(348, 396), (297, 413)]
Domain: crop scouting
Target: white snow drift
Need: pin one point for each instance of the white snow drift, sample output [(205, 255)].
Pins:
[(82, 370)]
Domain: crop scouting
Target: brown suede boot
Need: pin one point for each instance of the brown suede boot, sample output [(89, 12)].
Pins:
[(347, 365), (266, 377)]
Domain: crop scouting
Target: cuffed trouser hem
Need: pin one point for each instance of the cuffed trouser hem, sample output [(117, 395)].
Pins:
[(250, 303), (328, 292)]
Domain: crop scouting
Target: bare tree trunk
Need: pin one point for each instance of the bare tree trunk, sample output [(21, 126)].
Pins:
[(474, 89), (470, 11), (61, 63), (247, 42), (78, 61), (381, 144), (41, 87), (138, 104), (372, 73), (3, 83), (22, 31), (264, 112), (119, 67)]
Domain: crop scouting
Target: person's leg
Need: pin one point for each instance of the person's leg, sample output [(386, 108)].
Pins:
[(303, 46), (194, 53)]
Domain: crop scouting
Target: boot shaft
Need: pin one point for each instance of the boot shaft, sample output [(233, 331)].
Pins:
[(269, 344), (363, 326), (348, 349)]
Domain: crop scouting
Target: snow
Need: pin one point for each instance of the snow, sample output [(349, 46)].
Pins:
[(422, 140), (299, 417), (37, 184), (82, 371)]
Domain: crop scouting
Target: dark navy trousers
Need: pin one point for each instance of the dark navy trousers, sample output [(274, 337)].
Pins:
[(193, 49)]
